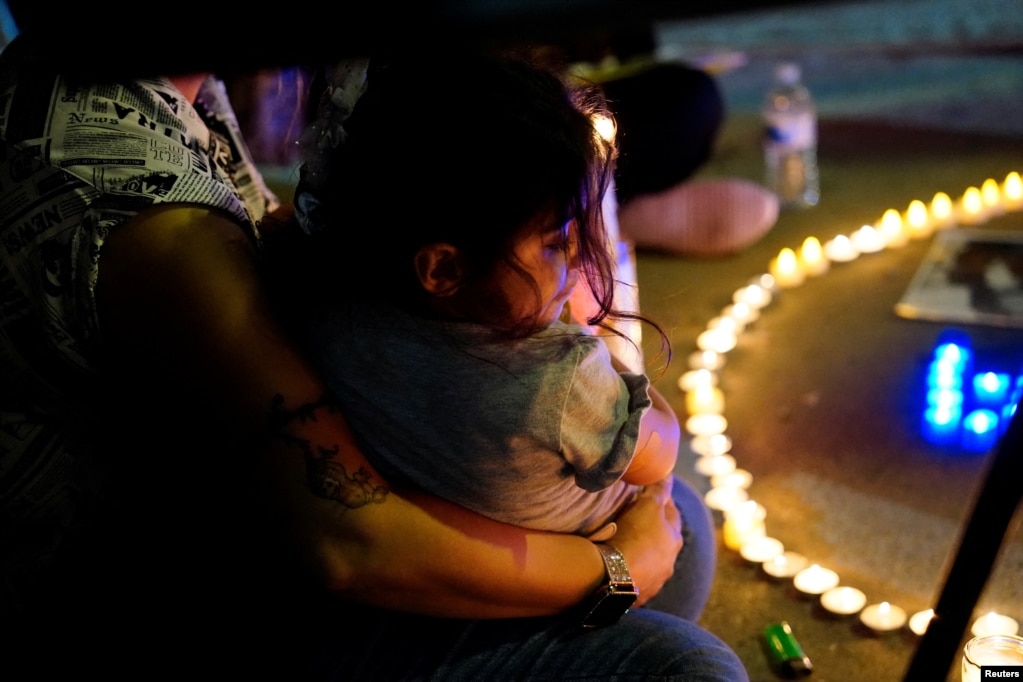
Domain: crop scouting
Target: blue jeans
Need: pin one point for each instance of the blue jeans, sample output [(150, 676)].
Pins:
[(659, 641)]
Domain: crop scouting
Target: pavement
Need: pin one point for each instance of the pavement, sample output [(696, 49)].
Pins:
[(822, 392)]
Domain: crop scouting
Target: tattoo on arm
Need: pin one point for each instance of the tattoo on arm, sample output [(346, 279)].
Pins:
[(325, 474)]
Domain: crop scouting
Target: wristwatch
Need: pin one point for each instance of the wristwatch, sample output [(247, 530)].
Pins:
[(615, 597)]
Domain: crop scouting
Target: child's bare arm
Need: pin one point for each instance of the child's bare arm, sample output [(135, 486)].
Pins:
[(657, 445)]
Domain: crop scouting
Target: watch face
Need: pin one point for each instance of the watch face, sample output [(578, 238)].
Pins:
[(610, 607)]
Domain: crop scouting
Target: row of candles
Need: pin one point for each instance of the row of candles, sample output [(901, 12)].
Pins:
[(896, 228), (744, 520)]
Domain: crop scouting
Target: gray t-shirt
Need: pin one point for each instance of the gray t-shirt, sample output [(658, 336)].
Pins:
[(536, 432)]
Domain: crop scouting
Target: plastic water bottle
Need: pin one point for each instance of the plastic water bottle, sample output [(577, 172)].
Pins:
[(790, 139)]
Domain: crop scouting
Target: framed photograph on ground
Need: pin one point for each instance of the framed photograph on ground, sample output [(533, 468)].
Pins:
[(969, 275)]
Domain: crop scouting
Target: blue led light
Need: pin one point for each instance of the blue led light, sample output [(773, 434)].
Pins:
[(1015, 396), (944, 375), (955, 353), (968, 405), (991, 388), (945, 398), (980, 430), (941, 424)]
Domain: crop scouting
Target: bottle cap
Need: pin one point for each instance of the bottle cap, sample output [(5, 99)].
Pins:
[(788, 73)]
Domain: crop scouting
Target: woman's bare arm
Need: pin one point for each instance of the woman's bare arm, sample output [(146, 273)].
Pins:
[(179, 286)]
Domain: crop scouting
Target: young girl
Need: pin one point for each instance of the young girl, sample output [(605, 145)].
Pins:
[(449, 226)]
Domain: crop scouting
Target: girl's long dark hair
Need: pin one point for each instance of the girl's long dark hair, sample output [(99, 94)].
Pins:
[(463, 149)]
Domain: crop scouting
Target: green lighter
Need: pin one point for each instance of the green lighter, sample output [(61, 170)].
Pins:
[(784, 651)]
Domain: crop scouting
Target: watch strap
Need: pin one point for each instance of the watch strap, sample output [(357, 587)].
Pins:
[(614, 563), (615, 596)]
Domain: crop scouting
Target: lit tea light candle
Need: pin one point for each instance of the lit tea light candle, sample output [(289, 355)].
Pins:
[(812, 258), (715, 465), (723, 499), (764, 280), (843, 601), (918, 222), (1012, 192), (786, 270), (942, 214), (697, 377), (867, 239), (717, 340), (741, 312), (756, 296), (840, 249), (710, 446), (971, 207), (739, 478), (883, 617), (706, 359), (785, 565), (705, 399), (706, 424), (761, 550), (743, 522), (727, 323), (892, 229), (992, 623), (920, 621), (991, 197), (815, 579)]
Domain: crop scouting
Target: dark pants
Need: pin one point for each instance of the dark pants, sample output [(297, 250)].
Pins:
[(668, 119)]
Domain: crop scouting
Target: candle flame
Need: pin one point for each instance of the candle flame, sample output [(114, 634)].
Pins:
[(891, 229), (787, 260), (754, 295), (811, 253), (990, 193), (868, 240), (786, 269), (811, 248), (741, 312), (891, 221), (1013, 187), (942, 210), (941, 205), (972, 201), (916, 214)]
